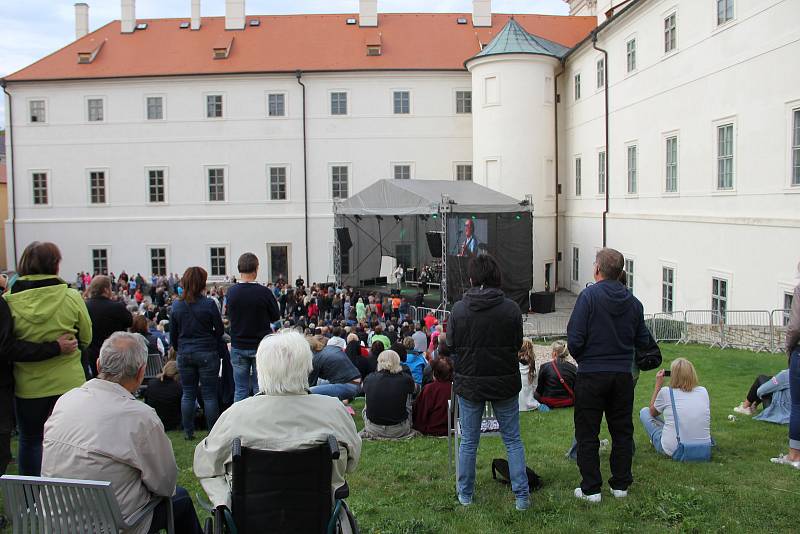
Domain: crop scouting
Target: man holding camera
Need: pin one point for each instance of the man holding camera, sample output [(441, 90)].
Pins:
[(606, 326)]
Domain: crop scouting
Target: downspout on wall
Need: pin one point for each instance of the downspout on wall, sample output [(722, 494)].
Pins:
[(299, 75), (605, 90), (555, 113), (11, 173)]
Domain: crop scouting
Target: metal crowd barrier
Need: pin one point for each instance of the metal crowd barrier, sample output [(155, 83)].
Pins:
[(440, 314)]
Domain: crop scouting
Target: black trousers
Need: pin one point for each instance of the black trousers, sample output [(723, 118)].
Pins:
[(6, 425), (183, 513), (752, 397), (610, 394)]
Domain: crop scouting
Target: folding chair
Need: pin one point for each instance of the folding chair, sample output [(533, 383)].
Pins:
[(153, 367), (283, 492), (490, 427), (38, 504)]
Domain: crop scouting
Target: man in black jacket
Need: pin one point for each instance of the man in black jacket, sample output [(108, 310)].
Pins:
[(484, 333), (108, 316), (606, 326)]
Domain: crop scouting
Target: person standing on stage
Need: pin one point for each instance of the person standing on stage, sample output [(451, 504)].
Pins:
[(398, 276)]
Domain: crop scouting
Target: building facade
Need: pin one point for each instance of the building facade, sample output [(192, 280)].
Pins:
[(153, 145)]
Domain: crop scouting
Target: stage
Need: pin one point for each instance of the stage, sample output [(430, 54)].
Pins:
[(432, 299)]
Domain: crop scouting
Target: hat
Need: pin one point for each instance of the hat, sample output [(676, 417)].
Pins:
[(338, 342)]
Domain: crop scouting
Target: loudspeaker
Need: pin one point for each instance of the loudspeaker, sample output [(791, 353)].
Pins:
[(343, 236), (434, 243)]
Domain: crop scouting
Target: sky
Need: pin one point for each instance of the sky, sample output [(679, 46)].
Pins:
[(32, 29)]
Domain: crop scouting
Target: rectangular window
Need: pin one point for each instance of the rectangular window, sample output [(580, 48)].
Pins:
[(463, 101), (601, 72), (670, 33), (796, 147), (402, 172), (155, 108), (40, 196), (575, 264), (464, 172), (277, 183), (630, 55), (629, 273), (402, 102), (216, 185), (601, 173), (632, 163), (219, 264), (671, 185), (157, 191), (578, 177), (339, 182), (667, 289), (158, 261), (339, 103), (719, 299), (95, 109), (577, 81), (491, 91), (276, 105), (278, 262), (97, 187), (725, 156), (38, 111), (100, 260), (214, 106), (724, 11)]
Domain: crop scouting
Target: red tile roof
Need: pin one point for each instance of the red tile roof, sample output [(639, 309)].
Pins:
[(286, 43)]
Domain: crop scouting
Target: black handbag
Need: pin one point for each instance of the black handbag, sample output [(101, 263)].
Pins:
[(649, 358), (500, 467)]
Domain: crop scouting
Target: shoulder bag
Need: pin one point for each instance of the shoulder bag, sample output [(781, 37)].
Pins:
[(694, 452)]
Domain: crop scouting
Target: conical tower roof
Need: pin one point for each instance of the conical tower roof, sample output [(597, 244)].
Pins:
[(514, 39)]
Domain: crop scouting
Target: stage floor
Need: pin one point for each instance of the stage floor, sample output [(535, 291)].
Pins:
[(432, 299)]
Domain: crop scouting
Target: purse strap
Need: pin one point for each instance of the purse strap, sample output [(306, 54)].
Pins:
[(563, 382), (675, 416)]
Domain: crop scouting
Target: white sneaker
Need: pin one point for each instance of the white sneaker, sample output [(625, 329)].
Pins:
[(590, 498), (743, 410), (619, 494), (783, 459)]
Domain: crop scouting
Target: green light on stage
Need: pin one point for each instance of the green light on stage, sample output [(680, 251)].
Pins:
[(518, 217), (435, 216), (474, 217)]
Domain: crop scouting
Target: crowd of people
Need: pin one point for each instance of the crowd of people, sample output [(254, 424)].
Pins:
[(279, 365)]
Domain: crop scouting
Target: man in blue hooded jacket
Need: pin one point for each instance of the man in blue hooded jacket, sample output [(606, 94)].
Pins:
[(606, 326)]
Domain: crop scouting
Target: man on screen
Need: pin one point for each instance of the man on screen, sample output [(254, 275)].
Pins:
[(469, 247)]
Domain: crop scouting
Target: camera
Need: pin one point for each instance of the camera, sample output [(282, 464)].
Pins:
[(667, 372)]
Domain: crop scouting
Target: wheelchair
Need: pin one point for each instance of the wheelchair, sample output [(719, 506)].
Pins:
[(284, 492)]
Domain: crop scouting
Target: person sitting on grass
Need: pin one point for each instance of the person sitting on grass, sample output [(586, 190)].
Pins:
[(691, 402), (353, 351), (163, 394), (773, 395), (431, 408), (414, 360), (556, 385), (387, 414), (527, 371), (332, 372), (374, 351), (282, 417)]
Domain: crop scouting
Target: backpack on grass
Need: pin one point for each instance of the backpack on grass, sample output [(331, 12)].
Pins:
[(500, 467)]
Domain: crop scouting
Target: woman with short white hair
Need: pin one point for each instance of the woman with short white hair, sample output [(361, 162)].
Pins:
[(388, 391), (283, 416)]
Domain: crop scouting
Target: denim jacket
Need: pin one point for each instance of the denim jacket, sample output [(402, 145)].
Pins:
[(779, 409)]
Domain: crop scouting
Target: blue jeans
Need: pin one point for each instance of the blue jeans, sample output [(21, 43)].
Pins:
[(341, 391), (31, 416), (507, 413), (245, 378), (199, 370), (654, 426), (794, 391)]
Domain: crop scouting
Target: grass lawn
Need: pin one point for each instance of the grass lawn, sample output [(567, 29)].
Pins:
[(406, 487)]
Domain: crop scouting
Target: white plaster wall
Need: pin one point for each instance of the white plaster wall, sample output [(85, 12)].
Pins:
[(432, 137), (736, 72)]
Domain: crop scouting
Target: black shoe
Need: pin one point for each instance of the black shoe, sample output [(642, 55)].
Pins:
[(3, 521), (188, 436)]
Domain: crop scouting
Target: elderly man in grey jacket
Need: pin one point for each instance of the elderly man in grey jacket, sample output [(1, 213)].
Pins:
[(99, 431)]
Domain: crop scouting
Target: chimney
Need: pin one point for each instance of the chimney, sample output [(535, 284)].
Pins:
[(481, 13), (128, 16), (367, 12), (234, 14), (195, 15), (81, 20)]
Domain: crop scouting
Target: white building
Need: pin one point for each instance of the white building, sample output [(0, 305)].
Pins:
[(157, 144)]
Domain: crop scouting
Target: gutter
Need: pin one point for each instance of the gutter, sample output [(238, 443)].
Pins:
[(299, 75), (605, 90), (11, 173), (555, 113)]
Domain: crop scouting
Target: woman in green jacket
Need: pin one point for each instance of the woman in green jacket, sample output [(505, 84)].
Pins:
[(43, 307)]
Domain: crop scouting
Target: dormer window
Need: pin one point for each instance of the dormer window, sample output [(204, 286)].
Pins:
[(373, 50), (89, 51), (222, 48), (373, 43)]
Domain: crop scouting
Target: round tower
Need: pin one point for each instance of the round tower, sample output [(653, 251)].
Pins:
[(513, 129)]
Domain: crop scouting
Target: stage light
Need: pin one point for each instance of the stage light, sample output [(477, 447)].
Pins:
[(379, 217), (435, 216), (474, 217), (518, 217), (397, 218), (423, 217), (358, 218)]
